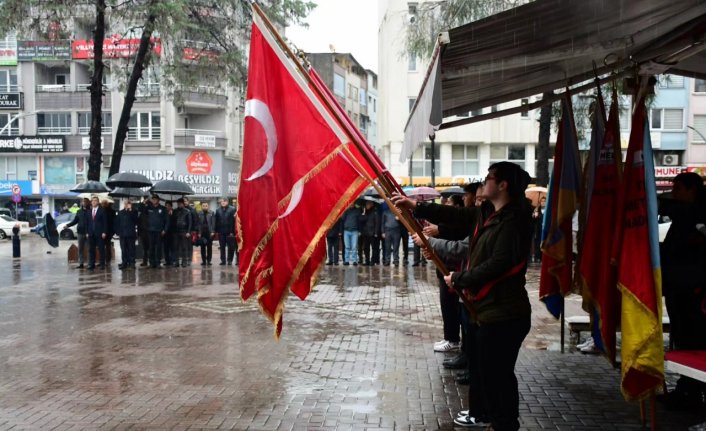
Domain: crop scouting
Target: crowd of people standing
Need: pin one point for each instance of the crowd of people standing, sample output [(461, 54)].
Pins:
[(165, 235)]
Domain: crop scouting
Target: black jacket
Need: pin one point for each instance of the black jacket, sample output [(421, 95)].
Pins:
[(336, 230), (351, 219), (157, 218), (80, 221), (110, 221), (206, 223), (370, 225), (182, 220), (225, 220), (126, 223)]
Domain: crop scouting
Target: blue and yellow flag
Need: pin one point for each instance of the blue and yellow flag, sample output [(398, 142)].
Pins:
[(639, 273), (562, 202)]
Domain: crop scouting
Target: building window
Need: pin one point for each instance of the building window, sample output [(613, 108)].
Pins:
[(363, 99), (8, 80), (144, 126), (411, 62), (699, 129), (625, 119), (525, 113), (49, 123), (511, 153), (700, 86), (412, 101), (421, 161), (14, 128), (352, 92), (667, 119), (339, 85), (671, 81), (84, 123), (80, 169), (464, 160)]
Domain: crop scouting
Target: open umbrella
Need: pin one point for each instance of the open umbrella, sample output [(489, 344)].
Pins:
[(90, 186), (371, 192), (455, 190), (171, 189), (424, 193), (50, 232), (373, 199), (535, 194), (128, 179), (129, 192)]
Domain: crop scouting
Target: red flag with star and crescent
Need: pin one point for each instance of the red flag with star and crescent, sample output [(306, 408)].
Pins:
[(299, 173)]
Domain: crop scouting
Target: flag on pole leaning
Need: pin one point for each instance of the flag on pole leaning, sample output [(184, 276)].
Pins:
[(639, 274), (596, 274), (562, 202), (299, 173)]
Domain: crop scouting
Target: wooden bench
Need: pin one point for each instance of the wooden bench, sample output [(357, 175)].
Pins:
[(578, 324)]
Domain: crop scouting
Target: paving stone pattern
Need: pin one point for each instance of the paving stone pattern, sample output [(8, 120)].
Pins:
[(175, 349)]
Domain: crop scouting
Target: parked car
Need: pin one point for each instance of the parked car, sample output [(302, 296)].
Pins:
[(7, 223), (66, 232), (60, 219)]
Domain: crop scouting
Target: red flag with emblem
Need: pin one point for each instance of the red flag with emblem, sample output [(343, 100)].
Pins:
[(299, 173)]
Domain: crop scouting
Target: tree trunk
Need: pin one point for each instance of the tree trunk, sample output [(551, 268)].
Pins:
[(141, 62), (95, 158), (545, 124)]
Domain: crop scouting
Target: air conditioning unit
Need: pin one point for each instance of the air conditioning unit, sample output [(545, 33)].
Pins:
[(107, 160), (670, 160)]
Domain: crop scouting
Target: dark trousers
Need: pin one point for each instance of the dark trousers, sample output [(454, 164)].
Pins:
[(206, 249), (333, 247), (169, 246), (404, 238), (226, 241), (497, 347), (81, 245), (375, 258), (450, 312), (184, 249), (366, 242), (418, 258), (155, 241), (392, 247), (127, 249), (95, 241), (477, 406), (145, 243)]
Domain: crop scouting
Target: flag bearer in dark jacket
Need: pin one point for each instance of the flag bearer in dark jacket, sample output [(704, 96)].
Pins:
[(370, 227), (142, 229), (182, 233), (225, 227), (81, 222), (97, 233), (126, 228), (157, 225), (207, 229), (333, 237), (494, 278)]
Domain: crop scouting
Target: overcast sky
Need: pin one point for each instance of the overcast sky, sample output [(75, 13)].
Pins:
[(350, 26)]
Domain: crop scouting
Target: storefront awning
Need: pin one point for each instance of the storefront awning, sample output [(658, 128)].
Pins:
[(547, 45)]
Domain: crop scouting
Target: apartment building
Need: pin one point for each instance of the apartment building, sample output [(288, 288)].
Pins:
[(696, 127), (192, 134), (461, 154)]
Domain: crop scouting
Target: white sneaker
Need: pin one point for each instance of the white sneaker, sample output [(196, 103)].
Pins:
[(462, 413), (470, 422), (439, 343), (588, 342), (447, 346), (589, 348)]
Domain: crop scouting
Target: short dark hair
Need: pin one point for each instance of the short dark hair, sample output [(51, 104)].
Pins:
[(180, 200), (690, 180), (471, 188), (517, 178), (457, 200)]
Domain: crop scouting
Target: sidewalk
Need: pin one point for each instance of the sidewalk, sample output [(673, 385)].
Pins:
[(176, 349)]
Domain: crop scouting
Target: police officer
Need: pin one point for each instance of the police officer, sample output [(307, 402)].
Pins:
[(182, 233), (126, 228), (225, 228), (157, 224)]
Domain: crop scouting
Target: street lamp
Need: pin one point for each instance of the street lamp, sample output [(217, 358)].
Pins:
[(18, 116), (697, 132)]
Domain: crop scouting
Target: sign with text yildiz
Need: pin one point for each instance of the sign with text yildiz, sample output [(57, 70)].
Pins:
[(32, 144), (113, 47), (7, 187), (43, 50), (204, 141), (11, 101), (203, 185)]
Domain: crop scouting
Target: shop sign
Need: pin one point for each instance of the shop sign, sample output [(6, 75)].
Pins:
[(11, 101), (43, 50), (86, 143), (205, 141), (8, 54), (196, 54), (202, 184), (199, 162), (701, 170), (113, 47), (23, 187), (232, 183), (668, 171), (156, 175), (32, 144)]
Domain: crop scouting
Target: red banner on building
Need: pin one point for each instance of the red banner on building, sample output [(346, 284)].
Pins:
[(113, 47)]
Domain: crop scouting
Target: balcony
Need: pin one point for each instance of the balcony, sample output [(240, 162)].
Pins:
[(199, 138), (53, 88), (105, 130), (144, 134), (60, 99), (148, 90), (197, 99), (54, 130)]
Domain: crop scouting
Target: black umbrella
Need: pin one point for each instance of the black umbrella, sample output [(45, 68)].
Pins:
[(455, 190), (372, 192), (170, 188), (50, 232), (128, 179), (128, 192), (90, 186)]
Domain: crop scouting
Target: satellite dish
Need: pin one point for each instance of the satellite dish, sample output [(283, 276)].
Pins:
[(50, 232)]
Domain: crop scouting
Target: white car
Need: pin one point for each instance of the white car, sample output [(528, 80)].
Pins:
[(7, 223), (67, 232)]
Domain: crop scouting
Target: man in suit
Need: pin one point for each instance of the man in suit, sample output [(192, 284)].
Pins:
[(97, 233), (81, 219)]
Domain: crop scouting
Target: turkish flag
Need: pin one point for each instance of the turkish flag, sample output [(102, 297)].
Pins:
[(299, 174)]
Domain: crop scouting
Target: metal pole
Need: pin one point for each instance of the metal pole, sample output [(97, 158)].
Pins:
[(433, 161)]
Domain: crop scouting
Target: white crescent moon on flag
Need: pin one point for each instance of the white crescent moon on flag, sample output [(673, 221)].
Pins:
[(259, 110), (297, 192)]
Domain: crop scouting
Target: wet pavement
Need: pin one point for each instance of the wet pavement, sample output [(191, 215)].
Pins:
[(173, 349)]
